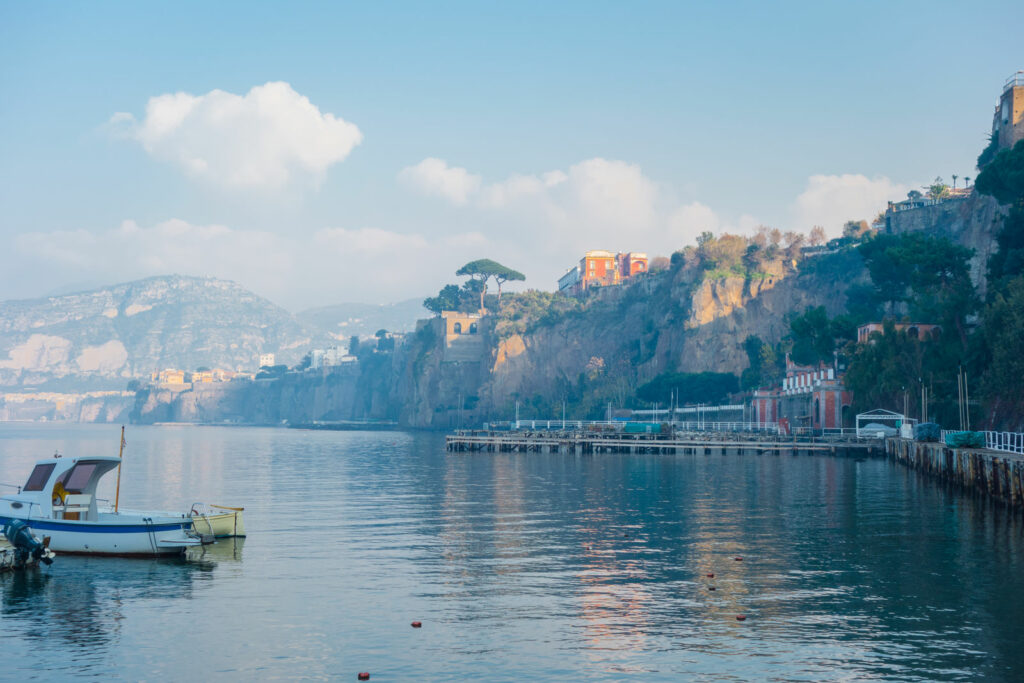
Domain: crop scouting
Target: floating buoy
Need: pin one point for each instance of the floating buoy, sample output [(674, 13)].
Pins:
[(416, 624), (711, 576), (363, 676), (739, 559), (711, 588), (740, 617)]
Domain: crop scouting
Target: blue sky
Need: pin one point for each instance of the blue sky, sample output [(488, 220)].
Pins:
[(555, 129)]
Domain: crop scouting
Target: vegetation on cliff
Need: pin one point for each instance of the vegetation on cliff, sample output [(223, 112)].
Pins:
[(998, 352)]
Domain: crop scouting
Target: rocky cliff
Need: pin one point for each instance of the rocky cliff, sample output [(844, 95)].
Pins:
[(102, 338), (969, 221), (681, 321)]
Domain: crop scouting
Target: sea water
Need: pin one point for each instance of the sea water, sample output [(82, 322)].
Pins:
[(519, 566)]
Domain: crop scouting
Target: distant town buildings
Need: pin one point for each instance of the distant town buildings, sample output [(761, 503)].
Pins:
[(809, 397), (169, 376), (600, 268), (329, 358), (267, 360), (1008, 120), (175, 377)]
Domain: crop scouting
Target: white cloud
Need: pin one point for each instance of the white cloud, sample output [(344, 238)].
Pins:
[(689, 221), (173, 246), (435, 177), (266, 139), (322, 267), (369, 241), (831, 200)]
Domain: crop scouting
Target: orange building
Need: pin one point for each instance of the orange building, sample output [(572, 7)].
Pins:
[(922, 331), (599, 268)]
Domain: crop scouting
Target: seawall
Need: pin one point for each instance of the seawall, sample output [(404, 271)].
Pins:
[(992, 473)]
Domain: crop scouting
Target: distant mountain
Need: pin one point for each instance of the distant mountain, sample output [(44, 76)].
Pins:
[(106, 336), (345, 320)]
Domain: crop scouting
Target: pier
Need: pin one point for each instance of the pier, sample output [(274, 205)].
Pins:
[(701, 443), (994, 473)]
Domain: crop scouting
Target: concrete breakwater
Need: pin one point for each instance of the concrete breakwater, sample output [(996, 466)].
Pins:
[(993, 473)]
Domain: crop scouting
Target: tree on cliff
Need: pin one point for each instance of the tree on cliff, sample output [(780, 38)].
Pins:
[(930, 275), (689, 387), (817, 237), (448, 299), (938, 189), (483, 270), (1002, 330)]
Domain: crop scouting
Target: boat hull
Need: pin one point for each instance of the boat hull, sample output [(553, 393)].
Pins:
[(220, 525), (166, 536)]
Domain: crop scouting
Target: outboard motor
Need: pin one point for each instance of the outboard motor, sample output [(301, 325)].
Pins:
[(25, 544)]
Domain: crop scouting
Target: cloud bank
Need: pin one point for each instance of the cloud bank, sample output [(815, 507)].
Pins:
[(831, 200), (267, 139)]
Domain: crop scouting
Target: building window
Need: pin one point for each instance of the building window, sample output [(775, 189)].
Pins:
[(457, 328), (472, 328)]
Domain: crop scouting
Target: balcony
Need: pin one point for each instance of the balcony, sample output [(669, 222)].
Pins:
[(1014, 81)]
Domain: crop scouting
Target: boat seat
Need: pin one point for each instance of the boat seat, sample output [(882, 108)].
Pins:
[(74, 503)]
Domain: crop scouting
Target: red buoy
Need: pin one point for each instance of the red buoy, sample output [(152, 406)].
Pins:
[(739, 559), (416, 624), (740, 617), (711, 576), (363, 676)]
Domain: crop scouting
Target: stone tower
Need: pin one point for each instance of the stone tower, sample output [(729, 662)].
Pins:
[(1008, 122)]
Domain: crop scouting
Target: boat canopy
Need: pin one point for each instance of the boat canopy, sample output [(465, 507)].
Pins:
[(66, 476)]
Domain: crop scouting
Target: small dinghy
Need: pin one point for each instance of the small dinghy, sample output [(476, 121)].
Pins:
[(218, 521)]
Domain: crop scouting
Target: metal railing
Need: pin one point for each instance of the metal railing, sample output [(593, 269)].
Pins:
[(1007, 442), (1014, 81), (1010, 442), (620, 425)]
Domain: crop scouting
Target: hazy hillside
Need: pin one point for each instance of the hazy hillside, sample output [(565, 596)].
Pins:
[(105, 336), (344, 320)]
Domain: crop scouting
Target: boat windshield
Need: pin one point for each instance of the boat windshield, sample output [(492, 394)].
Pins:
[(79, 476), (40, 475)]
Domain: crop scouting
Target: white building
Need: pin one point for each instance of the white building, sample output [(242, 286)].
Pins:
[(267, 360), (329, 358)]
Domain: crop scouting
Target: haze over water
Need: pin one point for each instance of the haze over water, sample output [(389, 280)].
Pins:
[(520, 566)]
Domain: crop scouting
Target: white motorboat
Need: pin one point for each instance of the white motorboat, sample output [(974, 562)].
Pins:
[(58, 502)]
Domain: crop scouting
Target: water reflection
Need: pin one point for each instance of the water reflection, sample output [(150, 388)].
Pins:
[(81, 603)]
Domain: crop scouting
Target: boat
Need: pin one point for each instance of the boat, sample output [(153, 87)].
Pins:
[(58, 502), (218, 521)]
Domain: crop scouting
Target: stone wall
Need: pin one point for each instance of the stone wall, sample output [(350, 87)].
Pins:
[(995, 474)]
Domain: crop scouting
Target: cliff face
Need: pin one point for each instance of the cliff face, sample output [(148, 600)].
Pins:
[(594, 354), (682, 323), (102, 338), (970, 222)]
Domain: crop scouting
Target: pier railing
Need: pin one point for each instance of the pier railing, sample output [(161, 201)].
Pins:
[(1008, 442), (620, 426)]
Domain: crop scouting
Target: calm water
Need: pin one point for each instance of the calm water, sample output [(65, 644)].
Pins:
[(521, 567)]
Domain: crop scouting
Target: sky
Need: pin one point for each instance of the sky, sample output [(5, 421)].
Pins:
[(320, 153)]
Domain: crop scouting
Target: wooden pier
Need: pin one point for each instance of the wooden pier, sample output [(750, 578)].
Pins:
[(659, 444)]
